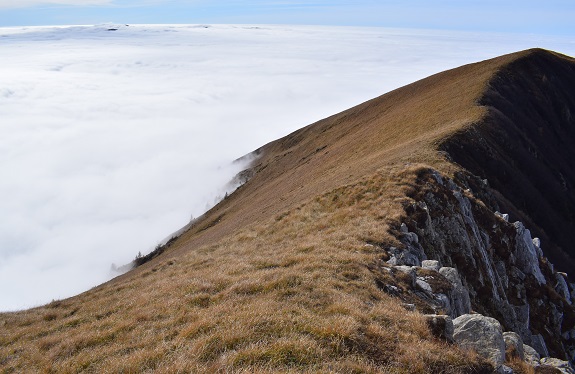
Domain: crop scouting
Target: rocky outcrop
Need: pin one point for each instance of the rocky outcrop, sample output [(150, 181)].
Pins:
[(563, 366), (459, 296), (484, 336), (493, 266)]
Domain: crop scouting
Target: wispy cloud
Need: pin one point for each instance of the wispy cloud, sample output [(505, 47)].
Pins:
[(111, 140)]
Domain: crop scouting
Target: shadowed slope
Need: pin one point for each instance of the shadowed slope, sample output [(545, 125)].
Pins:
[(524, 147)]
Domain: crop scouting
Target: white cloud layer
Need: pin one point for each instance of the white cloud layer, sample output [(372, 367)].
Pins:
[(31, 3), (111, 140)]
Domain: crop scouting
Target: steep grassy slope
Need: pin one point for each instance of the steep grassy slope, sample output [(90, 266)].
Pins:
[(401, 126), (280, 276)]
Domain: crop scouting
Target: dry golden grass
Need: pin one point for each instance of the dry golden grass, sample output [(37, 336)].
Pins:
[(279, 277), (294, 294)]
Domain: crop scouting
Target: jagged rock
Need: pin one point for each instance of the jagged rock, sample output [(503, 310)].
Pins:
[(504, 217), (411, 255), (527, 258), (562, 288), (501, 267), (430, 264), (538, 343), (444, 305), (422, 284), (393, 260), (537, 244), (441, 326), (513, 345), (459, 295), (481, 334), (403, 228), (563, 366), (501, 270), (531, 355)]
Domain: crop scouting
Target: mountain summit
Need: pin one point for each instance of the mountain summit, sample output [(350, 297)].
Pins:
[(371, 241)]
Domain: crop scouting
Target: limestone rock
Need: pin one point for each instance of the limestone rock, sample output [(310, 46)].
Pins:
[(513, 345), (526, 253), (443, 303), (530, 355), (459, 295), (411, 255), (503, 216), (481, 334), (537, 244), (562, 287), (563, 366), (430, 264), (500, 267), (422, 284), (403, 228), (405, 269)]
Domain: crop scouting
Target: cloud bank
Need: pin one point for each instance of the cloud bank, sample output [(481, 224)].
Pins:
[(31, 3), (111, 140)]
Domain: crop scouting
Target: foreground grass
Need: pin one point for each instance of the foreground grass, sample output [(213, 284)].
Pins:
[(295, 294)]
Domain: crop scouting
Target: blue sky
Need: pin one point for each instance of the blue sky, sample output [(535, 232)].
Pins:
[(553, 17)]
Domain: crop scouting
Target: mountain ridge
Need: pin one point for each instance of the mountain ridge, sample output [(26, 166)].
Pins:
[(277, 151), (314, 261)]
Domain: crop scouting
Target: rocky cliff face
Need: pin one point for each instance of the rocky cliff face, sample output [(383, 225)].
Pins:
[(454, 236), (524, 148)]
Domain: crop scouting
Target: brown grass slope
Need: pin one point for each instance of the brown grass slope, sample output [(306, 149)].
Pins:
[(278, 276)]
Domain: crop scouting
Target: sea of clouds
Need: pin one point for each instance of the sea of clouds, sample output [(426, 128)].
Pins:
[(114, 136)]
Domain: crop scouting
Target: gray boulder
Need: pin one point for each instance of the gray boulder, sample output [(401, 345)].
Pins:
[(482, 335), (563, 366), (422, 284), (530, 355), (430, 265), (513, 345)]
